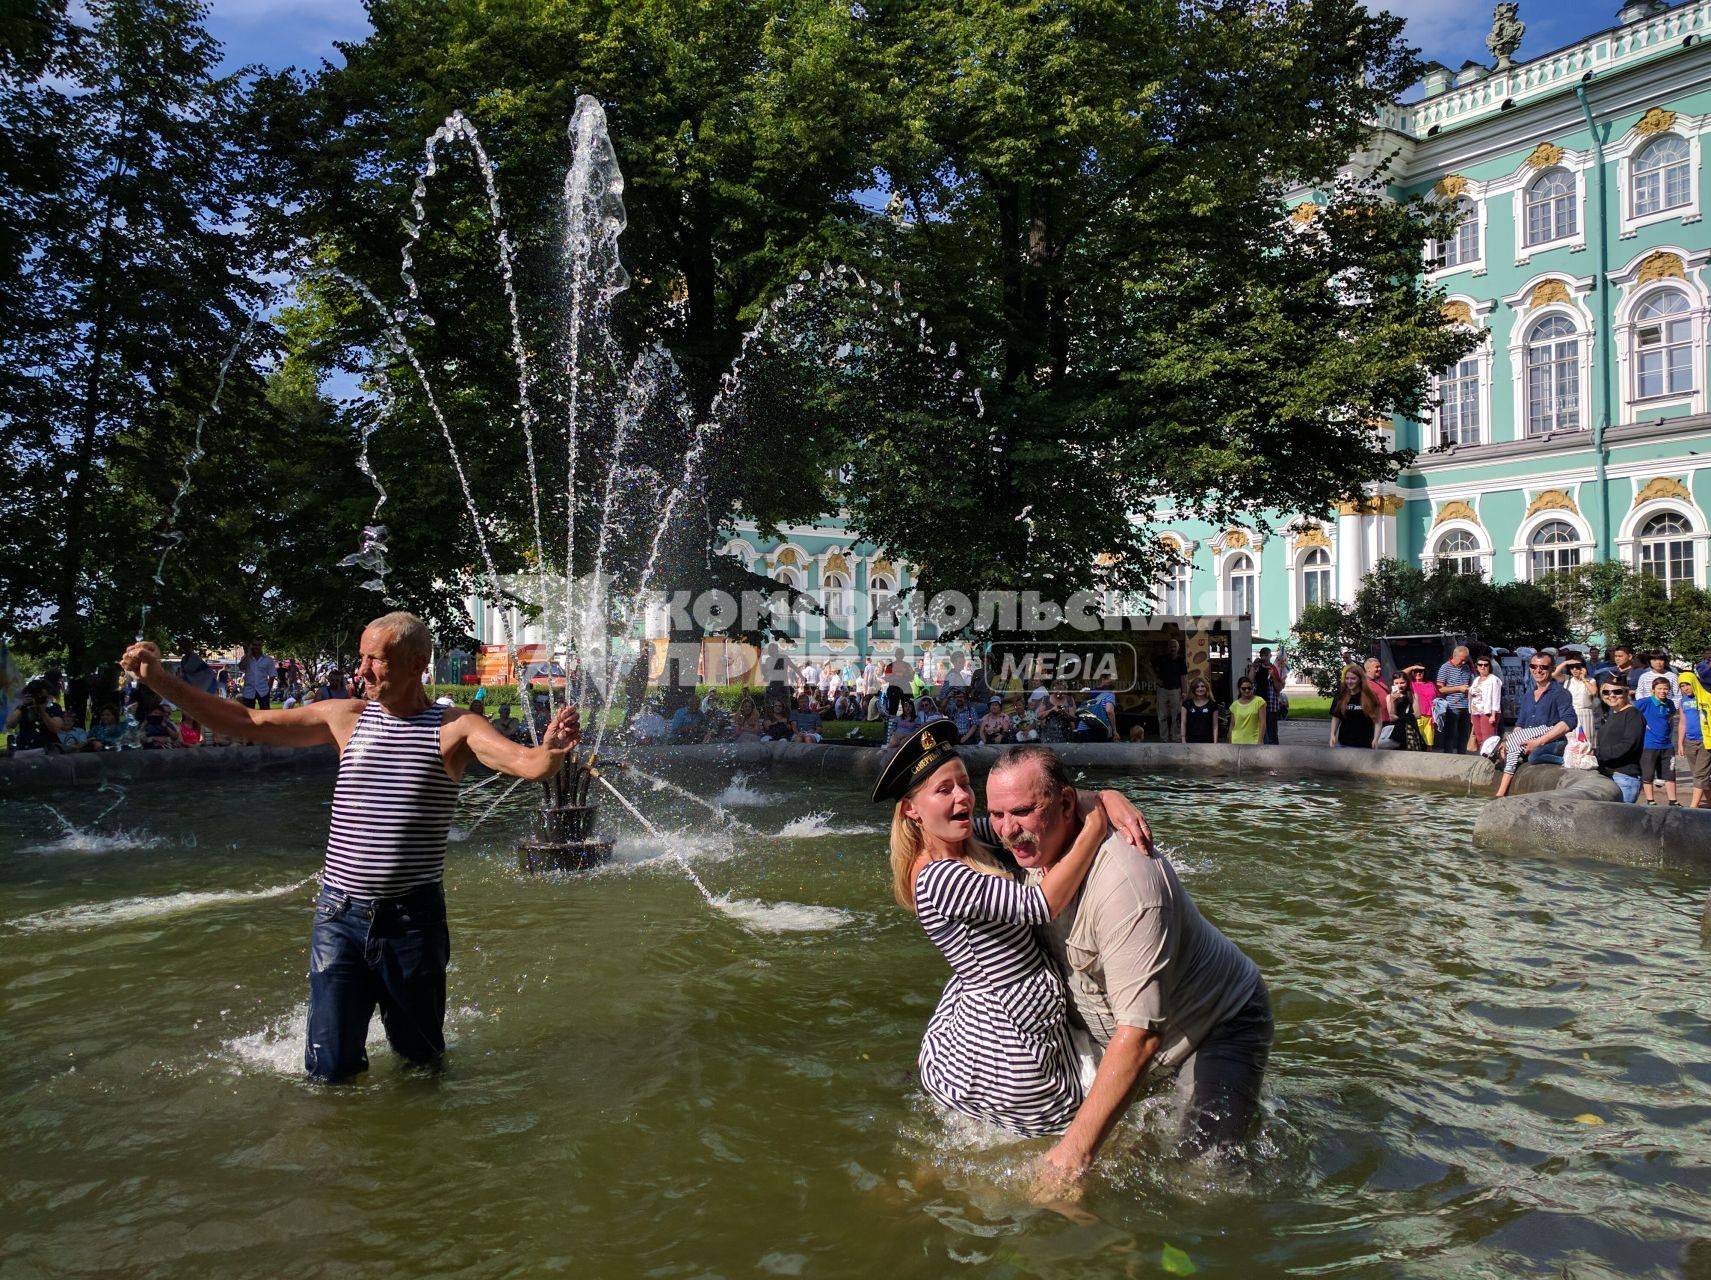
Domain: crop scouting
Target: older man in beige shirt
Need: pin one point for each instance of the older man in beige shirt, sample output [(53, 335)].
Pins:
[(1156, 985)]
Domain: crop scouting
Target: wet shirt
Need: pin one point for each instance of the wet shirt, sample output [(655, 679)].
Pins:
[(392, 806), (1138, 953)]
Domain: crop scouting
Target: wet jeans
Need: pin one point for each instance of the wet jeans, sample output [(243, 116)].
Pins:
[(1218, 1085), (363, 952)]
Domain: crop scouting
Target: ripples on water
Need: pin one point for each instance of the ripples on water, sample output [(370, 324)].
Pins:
[(1484, 1066)]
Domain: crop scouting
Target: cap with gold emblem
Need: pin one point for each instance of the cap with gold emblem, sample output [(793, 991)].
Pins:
[(922, 752)]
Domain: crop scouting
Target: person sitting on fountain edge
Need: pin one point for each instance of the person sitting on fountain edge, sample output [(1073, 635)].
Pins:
[(1150, 979), (379, 935)]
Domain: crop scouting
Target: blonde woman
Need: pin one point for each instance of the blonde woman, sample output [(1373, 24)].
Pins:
[(997, 1046), (745, 726)]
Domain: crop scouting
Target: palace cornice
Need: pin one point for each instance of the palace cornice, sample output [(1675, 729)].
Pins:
[(1563, 442), (1515, 132), (1619, 51)]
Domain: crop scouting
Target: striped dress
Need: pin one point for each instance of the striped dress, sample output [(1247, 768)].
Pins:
[(998, 1045), (392, 806)]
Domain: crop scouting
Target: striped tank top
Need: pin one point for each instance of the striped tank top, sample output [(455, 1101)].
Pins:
[(392, 806)]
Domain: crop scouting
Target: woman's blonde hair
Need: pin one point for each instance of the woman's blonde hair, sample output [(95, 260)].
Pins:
[(907, 843)]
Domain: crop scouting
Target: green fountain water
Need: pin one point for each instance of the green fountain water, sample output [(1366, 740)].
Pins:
[(1484, 1066)]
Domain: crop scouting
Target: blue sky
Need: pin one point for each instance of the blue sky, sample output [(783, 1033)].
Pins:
[(280, 33)]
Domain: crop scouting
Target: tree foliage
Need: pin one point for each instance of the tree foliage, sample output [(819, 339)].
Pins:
[(1624, 606)]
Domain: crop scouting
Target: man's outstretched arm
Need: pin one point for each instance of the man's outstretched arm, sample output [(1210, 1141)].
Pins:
[(299, 727), (534, 764), (1125, 1061)]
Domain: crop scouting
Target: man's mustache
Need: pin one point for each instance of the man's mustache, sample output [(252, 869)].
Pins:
[(1022, 840)]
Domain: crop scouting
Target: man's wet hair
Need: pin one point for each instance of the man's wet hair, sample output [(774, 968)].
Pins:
[(1052, 772)]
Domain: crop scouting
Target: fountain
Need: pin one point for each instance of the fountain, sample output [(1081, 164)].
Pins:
[(561, 834)]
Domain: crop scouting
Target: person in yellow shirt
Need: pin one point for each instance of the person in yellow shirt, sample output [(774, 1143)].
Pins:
[(1247, 715)]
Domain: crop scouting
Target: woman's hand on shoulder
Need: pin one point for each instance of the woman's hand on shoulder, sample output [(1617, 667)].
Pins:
[(1120, 812)]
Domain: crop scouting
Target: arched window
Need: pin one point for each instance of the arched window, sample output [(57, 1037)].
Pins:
[(787, 609), (1243, 580), (1462, 247), (1666, 549), (1551, 549), (1315, 577), (1458, 402), (835, 599), (1174, 594), (1553, 377), (1663, 346), (884, 593), (1459, 550), (1663, 176), (1550, 207)]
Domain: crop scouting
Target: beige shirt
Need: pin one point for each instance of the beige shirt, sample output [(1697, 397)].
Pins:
[(1136, 952)]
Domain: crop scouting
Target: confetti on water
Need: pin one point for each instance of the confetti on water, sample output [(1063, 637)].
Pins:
[(94, 915)]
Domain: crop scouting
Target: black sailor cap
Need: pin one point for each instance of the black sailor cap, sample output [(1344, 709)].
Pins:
[(922, 752)]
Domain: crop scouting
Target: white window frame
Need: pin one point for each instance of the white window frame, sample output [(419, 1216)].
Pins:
[(1303, 569), (1437, 534), (1575, 198), (1229, 568), (1626, 328), (1522, 548), (1622, 155), (1530, 325), (1525, 318), (1521, 181), (1476, 265), (1699, 533), (1682, 537)]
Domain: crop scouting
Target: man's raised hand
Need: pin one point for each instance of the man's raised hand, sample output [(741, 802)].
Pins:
[(565, 731), (143, 661)]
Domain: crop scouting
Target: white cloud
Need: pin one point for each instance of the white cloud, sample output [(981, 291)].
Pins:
[(1448, 31)]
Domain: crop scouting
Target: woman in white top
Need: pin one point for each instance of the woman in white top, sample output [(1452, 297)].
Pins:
[(1572, 672), (1485, 701)]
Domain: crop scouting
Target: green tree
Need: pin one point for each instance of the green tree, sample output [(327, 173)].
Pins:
[(139, 284), (738, 127), (1094, 202)]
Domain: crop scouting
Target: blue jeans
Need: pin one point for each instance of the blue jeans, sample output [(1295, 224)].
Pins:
[(1218, 1085), (364, 952), (1628, 784)]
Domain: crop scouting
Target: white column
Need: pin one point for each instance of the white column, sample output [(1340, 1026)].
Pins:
[(1351, 554)]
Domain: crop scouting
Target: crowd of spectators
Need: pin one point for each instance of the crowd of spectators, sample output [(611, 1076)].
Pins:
[(1631, 716), (128, 716)]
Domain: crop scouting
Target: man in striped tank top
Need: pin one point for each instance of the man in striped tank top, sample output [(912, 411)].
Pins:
[(379, 937)]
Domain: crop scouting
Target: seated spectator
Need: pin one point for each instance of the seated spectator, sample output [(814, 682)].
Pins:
[(807, 720), (73, 737), (334, 686), (688, 725), (1057, 720), (647, 728), (746, 726), (36, 717), (994, 727), (1621, 738), (959, 713), (777, 726), (509, 725), (159, 732), (189, 732), (109, 730), (900, 726), (875, 709)]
